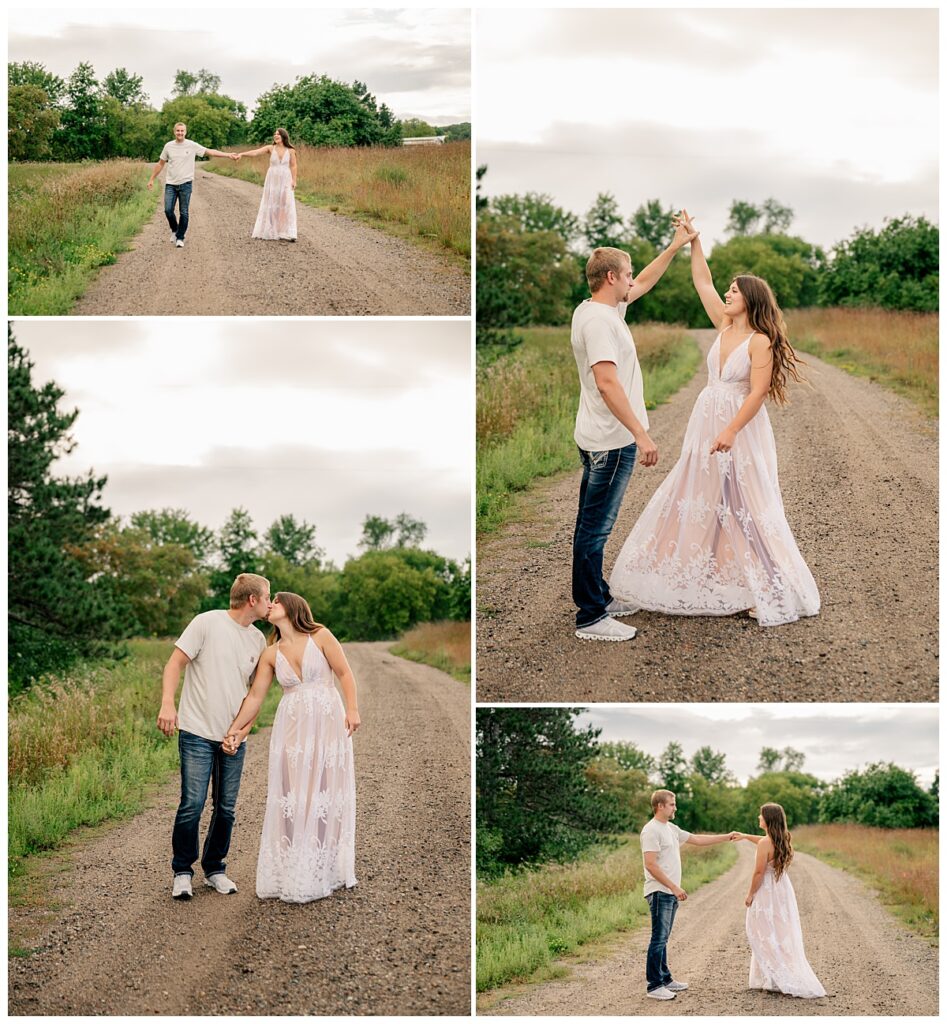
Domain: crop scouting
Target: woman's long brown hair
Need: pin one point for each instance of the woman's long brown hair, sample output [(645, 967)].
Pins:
[(299, 613), (774, 818), (284, 135), (765, 317)]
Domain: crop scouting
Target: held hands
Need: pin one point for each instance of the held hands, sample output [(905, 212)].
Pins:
[(684, 230), (725, 441), (735, 837), (231, 743), (235, 156), (167, 719)]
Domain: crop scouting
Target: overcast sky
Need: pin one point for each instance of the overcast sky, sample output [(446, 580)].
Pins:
[(834, 737), (328, 420), (832, 112), (417, 61)]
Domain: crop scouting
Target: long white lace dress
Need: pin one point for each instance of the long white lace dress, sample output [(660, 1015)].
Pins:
[(713, 539), (307, 849), (778, 958), (277, 216)]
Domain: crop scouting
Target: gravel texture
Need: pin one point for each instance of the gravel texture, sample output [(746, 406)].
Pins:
[(867, 963), (399, 943), (858, 472), (337, 267)]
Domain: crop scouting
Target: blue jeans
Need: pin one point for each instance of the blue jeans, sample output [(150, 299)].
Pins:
[(203, 762), (181, 193), (663, 908), (605, 477)]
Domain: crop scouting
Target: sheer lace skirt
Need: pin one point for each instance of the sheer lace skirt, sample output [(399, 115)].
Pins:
[(714, 540), (307, 849), (277, 216), (778, 958)]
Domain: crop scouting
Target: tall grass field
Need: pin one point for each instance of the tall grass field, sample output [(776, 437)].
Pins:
[(527, 919), (896, 349), (421, 193), (84, 749), (64, 222), (901, 863), (445, 645), (526, 404)]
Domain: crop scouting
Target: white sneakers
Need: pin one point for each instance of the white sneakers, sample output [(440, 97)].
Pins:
[(607, 629), (179, 244), (616, 607), (174, 236), (181, 889), (677, 986), (661, 993), (221, 883)]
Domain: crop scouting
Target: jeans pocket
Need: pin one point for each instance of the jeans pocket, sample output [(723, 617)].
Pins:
[(598, 460)]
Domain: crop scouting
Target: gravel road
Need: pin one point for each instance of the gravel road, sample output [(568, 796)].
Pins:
[(337, 267), (858, 473), (398, 943), (866, 962)]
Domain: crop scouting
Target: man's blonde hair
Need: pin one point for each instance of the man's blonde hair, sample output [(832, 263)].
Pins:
[(181, 124), (660, 796), (245, 586), (605, 259)]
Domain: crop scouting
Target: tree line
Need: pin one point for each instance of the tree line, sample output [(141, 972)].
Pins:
[(546, 789), (85, 118), (82, 579), (531, 256)]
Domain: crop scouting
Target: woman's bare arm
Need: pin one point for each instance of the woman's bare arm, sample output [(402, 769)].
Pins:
[(335, 656), (255, 152)]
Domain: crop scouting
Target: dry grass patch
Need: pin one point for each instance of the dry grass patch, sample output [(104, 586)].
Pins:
[(901, 863), (896, 349), (445, 645)]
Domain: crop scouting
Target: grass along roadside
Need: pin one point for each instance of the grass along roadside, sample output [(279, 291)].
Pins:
[(900, 864), (420, 193), (84, 749), (896, 349), (526, 920), (65, 221), (526, 406), (445, 645)]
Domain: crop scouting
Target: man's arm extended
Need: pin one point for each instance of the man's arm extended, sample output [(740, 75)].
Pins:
[(712, 840), (651, 274)]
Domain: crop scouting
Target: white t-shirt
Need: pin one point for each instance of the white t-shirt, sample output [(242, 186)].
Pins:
[(180, 157), (600, 334), (665, 839), (224, 657)]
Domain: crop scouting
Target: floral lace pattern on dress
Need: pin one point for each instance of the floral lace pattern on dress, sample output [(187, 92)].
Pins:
[(307, 849), (713, 539), (778, 962), (277, 216)]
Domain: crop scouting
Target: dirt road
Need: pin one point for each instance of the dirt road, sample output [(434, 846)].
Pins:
[(398, 943), (337, 267), (866, 962), (858, 473)]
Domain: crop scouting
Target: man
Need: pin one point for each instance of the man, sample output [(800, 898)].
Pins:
[(179, 156), (611, 426), (661, 843), (218, 652)]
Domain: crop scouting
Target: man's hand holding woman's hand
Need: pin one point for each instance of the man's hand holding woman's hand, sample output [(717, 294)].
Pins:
[(684, 227), (231, 742)]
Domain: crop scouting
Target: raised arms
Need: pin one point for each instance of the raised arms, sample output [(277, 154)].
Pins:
[(651, 274), (700, 273)]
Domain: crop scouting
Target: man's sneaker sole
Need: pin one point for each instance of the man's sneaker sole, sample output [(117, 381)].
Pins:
[(210, 885), (663, 998), (182, 896)]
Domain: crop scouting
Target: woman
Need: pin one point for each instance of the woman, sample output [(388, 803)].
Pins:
[(307, 849), (713, 540), (277, 216), (778, 959)]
